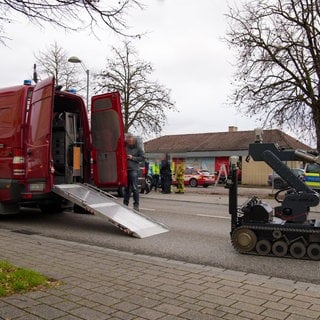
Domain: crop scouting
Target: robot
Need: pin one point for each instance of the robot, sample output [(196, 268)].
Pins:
[(283, 231)]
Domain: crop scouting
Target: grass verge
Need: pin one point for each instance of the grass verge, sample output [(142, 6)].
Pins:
[(17, 280)]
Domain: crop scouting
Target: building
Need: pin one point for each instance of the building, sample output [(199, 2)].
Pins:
[(212, 150)]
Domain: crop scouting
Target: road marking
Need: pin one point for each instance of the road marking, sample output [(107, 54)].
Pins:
[(210, 216), (147, 209)]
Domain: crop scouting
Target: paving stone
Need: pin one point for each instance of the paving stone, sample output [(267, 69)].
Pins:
[(304, 312), (46, 312), (194, 315), (89, 314), (147, 313), (275, 314), (275, 305), (66, 305), (125, 306), (243, 298), (170, 309), (261, 295), (217, 299), (230, 283), (251, 316), (295, 302), (11, 312), (248, 307)]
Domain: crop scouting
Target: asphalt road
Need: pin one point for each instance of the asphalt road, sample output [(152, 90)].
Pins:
[(199, 233)]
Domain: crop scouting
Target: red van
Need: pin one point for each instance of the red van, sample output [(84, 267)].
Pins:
[(46, 140)]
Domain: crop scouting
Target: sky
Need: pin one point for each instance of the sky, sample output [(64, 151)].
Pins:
[(183, 43)]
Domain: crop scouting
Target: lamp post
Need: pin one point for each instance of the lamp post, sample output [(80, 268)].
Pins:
[(75, 59)]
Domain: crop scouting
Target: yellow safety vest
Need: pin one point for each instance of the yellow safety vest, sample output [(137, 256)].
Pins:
[(155, 168)]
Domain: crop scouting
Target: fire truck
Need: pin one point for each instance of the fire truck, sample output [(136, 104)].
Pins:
[(51, 154)]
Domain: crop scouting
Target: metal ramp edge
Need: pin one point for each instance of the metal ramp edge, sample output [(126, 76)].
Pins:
[(98, 202)]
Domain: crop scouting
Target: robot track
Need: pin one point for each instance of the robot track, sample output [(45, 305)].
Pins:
[(290, 241)]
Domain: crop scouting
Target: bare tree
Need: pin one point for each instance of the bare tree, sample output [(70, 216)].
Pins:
[(54, 62), (144, 102), (278, 69), (67, 14)]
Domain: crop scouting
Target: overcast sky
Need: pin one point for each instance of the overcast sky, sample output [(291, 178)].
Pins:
[(183, 44)]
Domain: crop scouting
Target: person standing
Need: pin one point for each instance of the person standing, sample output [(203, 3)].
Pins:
[(155, 171), (180, 178), (135, 155), (165, 172)]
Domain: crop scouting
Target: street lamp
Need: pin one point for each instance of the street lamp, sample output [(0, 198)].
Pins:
[(75, 59)]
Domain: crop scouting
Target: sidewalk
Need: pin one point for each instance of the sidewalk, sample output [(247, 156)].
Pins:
[(102, 283)]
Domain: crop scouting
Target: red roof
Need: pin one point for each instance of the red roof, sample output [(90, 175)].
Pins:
[(219, 141)]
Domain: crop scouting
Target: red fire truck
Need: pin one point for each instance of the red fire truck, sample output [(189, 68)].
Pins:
[(50, 154)]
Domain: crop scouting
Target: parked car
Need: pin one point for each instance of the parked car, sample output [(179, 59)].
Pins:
[(198, 177), (279, 183)]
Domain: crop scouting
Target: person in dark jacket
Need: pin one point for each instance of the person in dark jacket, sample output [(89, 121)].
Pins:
[(135, 155), (165, 173)]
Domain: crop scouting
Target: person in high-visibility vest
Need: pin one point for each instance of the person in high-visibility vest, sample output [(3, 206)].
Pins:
[(172, 168), (155, 171)]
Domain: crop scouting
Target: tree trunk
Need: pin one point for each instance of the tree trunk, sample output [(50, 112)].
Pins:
[(316, 118)]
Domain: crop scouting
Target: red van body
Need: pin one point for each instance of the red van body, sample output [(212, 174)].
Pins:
[(46, 139)]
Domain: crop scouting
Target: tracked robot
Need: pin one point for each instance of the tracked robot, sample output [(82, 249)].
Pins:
[(282, 231)]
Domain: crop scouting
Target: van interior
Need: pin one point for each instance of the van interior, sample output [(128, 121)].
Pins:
[(67, 141)]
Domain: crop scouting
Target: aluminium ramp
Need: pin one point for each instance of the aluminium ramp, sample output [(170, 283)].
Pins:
[(101, 203)]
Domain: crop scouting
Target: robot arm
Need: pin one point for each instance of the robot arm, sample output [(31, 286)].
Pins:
[(297, 201), (274, 156)]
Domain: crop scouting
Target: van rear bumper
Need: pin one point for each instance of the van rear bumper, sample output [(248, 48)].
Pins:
[(13, 196), (9, 208)]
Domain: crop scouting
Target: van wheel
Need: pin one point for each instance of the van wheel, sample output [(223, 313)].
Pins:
[(120, 192)]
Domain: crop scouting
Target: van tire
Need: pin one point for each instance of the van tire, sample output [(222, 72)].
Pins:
[(120, 192)]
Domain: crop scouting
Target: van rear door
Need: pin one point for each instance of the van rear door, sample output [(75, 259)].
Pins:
[(13, 105), (38, 136), (109, 155)]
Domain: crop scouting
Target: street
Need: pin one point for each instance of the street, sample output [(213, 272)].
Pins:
[(199, 226)]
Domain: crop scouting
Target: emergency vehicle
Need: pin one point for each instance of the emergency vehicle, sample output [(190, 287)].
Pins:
[(50, 154), (312, 176)]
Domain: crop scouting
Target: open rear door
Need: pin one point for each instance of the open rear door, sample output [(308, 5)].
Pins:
[(38, 136), (109, 155)]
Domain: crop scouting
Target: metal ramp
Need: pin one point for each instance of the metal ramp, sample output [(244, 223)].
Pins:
[(103, 204)]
